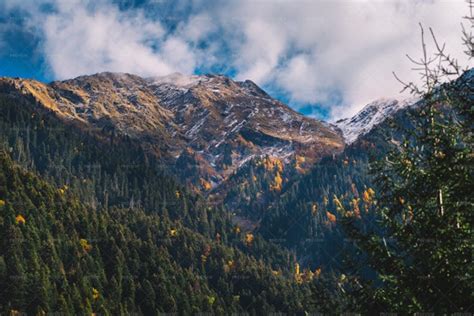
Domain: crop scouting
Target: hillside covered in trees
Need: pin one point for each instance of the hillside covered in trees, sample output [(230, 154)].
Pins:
[(94, 226), (97, 225), (199, 195)]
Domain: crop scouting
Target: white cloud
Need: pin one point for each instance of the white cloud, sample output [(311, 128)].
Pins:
[(85, 37), (306, 49), (80, 41), (197, 28), (260, 51), (309, 49)]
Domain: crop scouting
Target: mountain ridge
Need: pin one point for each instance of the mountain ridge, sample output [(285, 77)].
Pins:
[(210, 123), (371, 115)]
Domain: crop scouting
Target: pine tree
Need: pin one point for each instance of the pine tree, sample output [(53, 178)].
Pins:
[(422, 251)]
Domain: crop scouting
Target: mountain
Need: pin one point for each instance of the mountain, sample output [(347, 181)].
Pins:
[(370, 116), (204, 127), (307, 214), (90, 225), (93, 220), (228, 140), (381, 110)]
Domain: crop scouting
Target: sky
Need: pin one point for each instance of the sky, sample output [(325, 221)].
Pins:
[(326, 59)]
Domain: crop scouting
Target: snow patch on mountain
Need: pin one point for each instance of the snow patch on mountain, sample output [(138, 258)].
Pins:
[(370, 116)]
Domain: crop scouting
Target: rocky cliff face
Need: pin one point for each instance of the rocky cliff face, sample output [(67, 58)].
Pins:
[(205, 127)]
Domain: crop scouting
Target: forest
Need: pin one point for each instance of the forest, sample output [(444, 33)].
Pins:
[(93, 223)]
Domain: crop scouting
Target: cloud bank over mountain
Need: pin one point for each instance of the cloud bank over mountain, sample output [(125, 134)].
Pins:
[(338, 55)]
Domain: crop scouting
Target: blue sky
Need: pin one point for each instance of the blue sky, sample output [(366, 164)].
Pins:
[(324, 58)]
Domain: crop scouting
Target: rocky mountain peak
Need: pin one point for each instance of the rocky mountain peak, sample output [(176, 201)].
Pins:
[(370, 116), (222, 122)]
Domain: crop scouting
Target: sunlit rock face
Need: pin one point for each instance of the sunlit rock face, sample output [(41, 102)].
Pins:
[(208, 126)]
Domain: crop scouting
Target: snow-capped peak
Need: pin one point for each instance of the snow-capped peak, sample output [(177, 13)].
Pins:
[(371, 115)]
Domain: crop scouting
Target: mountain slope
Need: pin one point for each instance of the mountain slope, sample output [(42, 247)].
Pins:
[(206, 127), (381, 110), (67, 258), (370, 116), (307, 213), (92, 215)]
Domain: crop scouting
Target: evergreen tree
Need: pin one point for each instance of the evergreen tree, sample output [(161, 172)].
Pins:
[(422, 250)]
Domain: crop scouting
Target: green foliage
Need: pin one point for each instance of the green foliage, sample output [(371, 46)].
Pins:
[(299, 219), (423, 256), (105, 231)]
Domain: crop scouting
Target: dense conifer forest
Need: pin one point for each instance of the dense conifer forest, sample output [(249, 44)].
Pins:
[(96, 226), (98, 221)]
